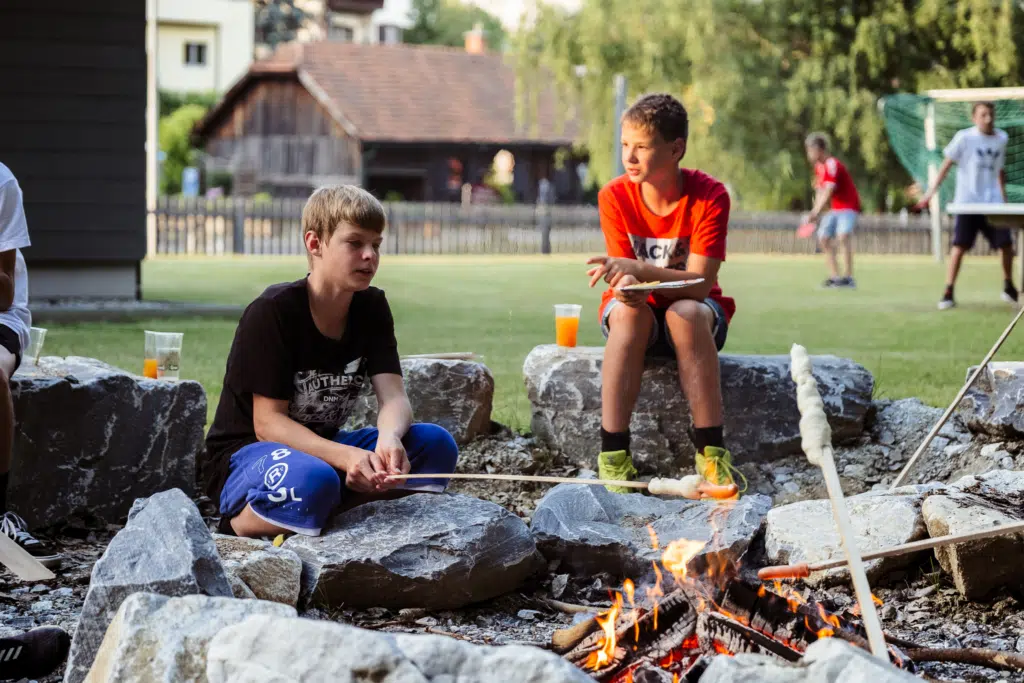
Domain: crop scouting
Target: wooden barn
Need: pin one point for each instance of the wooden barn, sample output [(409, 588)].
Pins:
[(73, 132), (410, 122)]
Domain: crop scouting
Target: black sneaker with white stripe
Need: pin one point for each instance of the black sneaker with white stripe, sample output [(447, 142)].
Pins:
[(33, 654), (16, 529)]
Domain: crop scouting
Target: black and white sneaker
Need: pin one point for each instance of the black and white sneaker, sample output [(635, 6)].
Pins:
[(847, 281), (831, 283), (33, 654), (16, 529), (946, 302), (1009, 294)]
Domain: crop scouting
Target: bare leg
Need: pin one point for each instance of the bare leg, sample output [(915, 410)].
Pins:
[(7, 361), (846, 246), (956, 256), (690, 323), (828, 246), (629, 329), (1008, 263), (250, 525)]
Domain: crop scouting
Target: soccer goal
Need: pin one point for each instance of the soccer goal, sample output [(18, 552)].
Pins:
[(920, 125)]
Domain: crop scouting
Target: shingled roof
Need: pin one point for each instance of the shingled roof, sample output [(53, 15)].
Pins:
[(409, 93)]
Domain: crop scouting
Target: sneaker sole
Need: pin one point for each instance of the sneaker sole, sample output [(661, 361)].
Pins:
[(944, 305), (50, 561), (1007, 298)]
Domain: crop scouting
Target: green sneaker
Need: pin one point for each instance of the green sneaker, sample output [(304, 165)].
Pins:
[(616, 465), (715, 465)]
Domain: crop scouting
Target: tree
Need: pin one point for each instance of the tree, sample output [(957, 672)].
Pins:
[(176, 143), (758, 76), (446, 22), (277, 21)]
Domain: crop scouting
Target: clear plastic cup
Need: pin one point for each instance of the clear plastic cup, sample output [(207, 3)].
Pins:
[(36, 336), (567, 324), (163, 355)]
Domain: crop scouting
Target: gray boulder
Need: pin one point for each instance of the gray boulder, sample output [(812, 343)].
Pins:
[(259, 570), (590, 529), (158, 639), (455, 394), (829, 660), (761, 416), (806, 532), (437, 551), (89, 436), (263, 649), (994, 404), (976, 503), (165, 548)]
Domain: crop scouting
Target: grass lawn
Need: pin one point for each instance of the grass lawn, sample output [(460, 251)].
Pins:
[(501, 307)]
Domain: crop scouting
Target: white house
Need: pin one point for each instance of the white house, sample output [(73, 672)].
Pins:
[(203, 45), (354, 21)]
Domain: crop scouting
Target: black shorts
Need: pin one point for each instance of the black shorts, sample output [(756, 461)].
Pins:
[(660, 343), (10, 340), (967, 227)]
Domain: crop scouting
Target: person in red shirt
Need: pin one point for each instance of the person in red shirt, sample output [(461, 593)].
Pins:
[(833, 183), (662, 223)]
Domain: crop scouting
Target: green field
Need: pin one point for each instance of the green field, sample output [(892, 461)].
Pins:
[(501, 307)]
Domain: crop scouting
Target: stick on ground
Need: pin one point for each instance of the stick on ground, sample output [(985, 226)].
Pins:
[(956, 401)]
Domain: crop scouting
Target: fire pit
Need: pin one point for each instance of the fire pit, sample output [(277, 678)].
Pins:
[(684, 614)]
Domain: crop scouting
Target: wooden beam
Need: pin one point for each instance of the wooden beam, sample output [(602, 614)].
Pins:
[(976, 94)]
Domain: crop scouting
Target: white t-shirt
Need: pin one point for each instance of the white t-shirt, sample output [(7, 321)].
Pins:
[(979, 158), (14, 235)]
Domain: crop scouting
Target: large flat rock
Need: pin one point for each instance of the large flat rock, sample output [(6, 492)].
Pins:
[(165, 548), (259, 570), (994, 404), (455, 394), (591, 530), (305, 651), (158, 639), (89, 436), (806, 532), (976, 503), (759, 396), (437, 551)]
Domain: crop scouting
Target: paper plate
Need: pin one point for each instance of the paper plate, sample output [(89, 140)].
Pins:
[(649, 287)]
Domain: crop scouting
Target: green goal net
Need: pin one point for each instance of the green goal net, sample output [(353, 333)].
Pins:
[(906, 122)]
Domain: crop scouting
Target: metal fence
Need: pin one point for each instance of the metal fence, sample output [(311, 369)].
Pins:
[(248, 226)]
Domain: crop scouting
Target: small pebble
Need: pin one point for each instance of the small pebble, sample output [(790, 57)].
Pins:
[(528, 614), (411, 613), (39, 588), (926, 591), (42, 606), (791, 487), (63, 592), (558, 585), (19, 591), (427, 621), (1020, 644)]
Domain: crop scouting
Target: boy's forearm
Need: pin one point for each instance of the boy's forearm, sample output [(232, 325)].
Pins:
[(282, 429), (394, 418), (698, 291)]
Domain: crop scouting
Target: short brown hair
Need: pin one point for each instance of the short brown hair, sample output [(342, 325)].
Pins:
[(330, 206), (989, 105), (819, 140), (661, 113)]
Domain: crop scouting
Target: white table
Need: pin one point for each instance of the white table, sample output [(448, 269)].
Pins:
[(999, 215)]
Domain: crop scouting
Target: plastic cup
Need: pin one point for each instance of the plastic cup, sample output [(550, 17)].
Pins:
[(163, 355), (36, 335), (567, 324)]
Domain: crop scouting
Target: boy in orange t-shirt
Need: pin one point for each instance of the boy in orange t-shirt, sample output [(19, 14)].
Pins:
[(662, 223)]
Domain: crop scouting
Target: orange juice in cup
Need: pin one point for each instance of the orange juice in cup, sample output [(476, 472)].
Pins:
[(567, 324), (149, 366)]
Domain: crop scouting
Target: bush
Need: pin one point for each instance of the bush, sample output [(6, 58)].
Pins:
[(176, 143)]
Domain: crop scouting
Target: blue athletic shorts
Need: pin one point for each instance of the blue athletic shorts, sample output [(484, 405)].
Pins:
[(298, 491), (838, 222)]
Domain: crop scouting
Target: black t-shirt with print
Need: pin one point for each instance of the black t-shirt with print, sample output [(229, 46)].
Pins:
[(279, 353)]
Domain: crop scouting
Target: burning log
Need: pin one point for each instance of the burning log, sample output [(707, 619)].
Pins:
[(718, 633)]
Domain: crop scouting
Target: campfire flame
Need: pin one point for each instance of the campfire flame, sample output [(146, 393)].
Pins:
[(675, 559)]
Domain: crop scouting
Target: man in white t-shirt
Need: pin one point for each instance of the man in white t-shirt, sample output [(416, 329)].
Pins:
[(979, 153), (15, 321)]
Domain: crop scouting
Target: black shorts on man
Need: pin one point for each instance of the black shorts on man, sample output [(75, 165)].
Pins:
[(967, 227)]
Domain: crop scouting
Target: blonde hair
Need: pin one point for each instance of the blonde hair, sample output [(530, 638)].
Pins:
[(330, 206)]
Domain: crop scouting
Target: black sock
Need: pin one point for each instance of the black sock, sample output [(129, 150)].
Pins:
[(949, 291), (614, 441), (3, 492), (1008, 284), (707, 436)]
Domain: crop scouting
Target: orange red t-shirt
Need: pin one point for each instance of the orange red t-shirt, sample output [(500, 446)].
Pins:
[(833, 172), (698, 225)]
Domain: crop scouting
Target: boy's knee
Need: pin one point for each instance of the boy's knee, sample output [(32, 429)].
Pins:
[(636, 320), (436, 443), (323, 483), (691, 311)]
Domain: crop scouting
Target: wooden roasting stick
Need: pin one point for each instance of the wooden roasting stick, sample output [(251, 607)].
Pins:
[(804, 569), (693, 486), (816, 441), (956, 401), (19, 561)]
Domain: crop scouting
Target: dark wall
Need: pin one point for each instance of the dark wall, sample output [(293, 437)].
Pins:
[(73, 125)]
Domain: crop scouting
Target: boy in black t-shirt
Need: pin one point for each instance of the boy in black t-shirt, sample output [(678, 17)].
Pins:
[(276, 458)]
